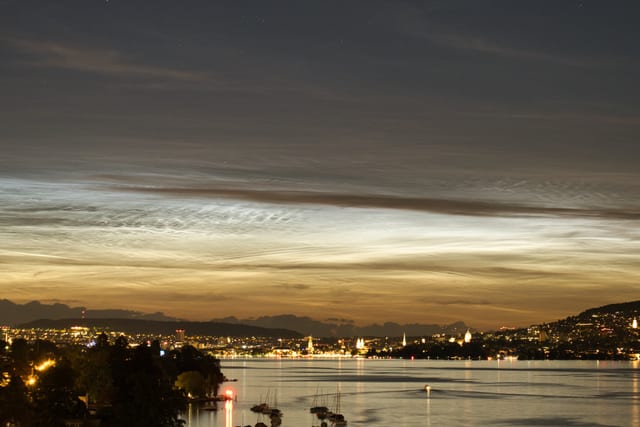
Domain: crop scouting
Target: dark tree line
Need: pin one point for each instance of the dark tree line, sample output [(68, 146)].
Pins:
[(107, 385)]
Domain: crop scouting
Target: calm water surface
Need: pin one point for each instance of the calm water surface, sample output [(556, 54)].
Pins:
[(463, 393)]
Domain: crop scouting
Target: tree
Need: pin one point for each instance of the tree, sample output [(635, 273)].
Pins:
[(20, 356), (96, 377), (55, 397), (132, 387), (15, 407), (192, 382), (144, 395), (188, 358)]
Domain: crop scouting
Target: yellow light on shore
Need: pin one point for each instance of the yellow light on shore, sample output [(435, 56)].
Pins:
[(45, 365)]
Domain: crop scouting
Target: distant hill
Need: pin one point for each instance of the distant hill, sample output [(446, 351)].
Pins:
[(134, 326), (13, 314), (345, 328), (609, 321), (630, 308)]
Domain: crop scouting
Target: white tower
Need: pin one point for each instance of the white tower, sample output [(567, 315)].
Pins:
[(404, 340), (310, 344), (634, 325), (467, 337)]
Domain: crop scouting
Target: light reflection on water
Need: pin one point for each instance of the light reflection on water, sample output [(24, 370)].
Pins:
[(635, 415), (228, 413), (465, 393)]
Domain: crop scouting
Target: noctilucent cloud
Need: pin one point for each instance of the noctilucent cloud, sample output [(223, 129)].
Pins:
[(378, 161)]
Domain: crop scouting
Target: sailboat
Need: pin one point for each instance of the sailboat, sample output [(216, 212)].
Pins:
[(336, 418), (320, 410), (262, 408)]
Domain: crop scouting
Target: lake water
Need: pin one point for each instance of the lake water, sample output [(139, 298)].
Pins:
[(463, 393)]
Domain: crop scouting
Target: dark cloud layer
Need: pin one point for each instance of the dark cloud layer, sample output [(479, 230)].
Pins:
[(440, 206)]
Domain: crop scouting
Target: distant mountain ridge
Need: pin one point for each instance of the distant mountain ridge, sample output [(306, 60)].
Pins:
[(345, 328), (14, 314)]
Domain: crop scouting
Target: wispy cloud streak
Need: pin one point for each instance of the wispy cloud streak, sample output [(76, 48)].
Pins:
[(482, 46), (102, 61), (423, 204)]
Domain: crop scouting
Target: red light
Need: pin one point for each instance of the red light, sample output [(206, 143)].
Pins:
[(229, 393)]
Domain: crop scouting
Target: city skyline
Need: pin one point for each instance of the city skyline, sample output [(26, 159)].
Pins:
[(375, 161)]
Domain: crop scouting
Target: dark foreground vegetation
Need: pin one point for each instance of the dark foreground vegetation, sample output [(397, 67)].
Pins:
[(109, 384)]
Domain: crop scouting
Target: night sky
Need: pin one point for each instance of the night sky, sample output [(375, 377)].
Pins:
[(369, 160)]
